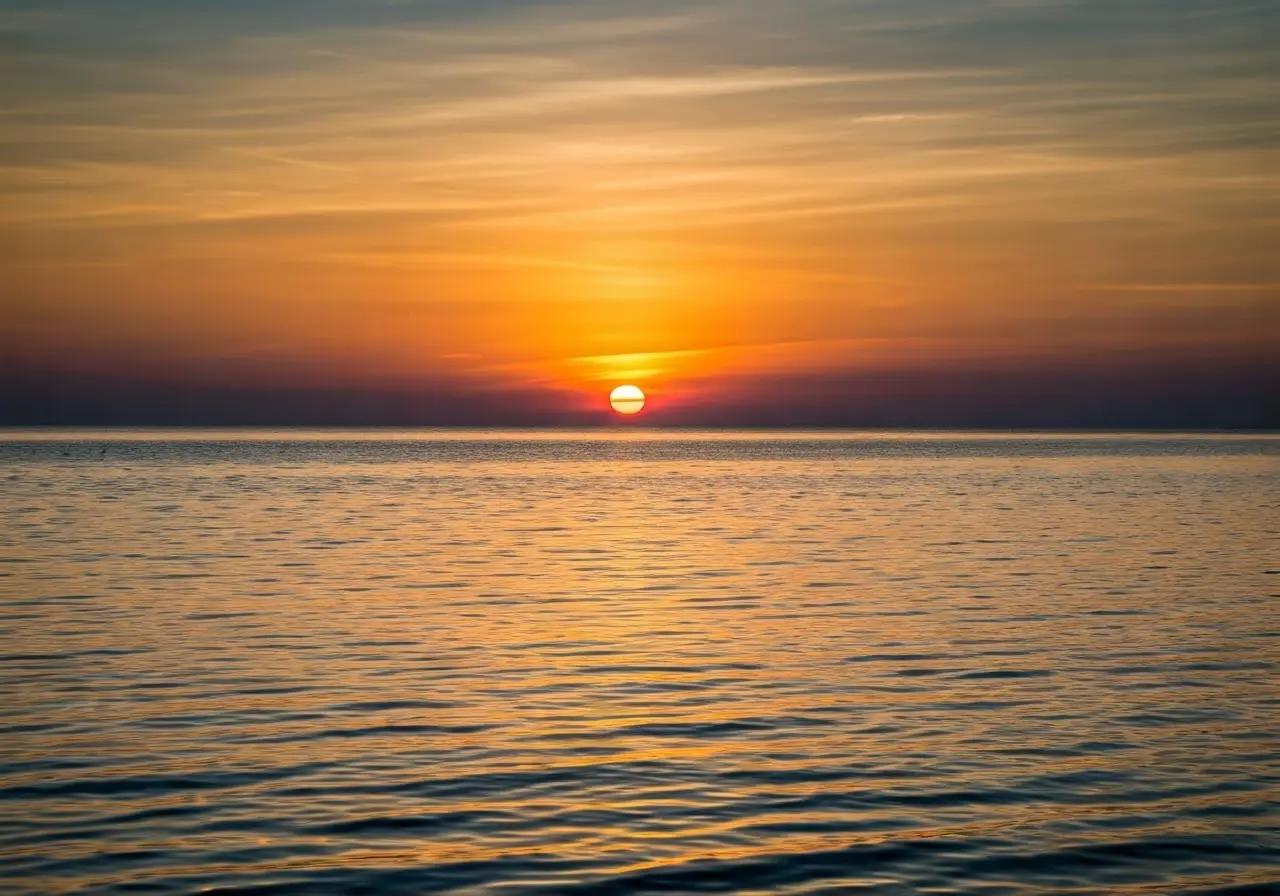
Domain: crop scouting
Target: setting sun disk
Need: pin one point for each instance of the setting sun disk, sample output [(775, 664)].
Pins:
[(627, 400)]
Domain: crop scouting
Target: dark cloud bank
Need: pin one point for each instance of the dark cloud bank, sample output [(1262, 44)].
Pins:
[(1167, 393)]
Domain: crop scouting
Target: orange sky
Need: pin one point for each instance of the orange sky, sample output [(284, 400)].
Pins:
[(565, 196)]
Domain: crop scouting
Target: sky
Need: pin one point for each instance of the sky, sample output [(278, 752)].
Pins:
[(487, 212)]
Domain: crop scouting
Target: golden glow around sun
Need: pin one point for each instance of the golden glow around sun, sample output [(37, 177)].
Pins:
[(627, 400)]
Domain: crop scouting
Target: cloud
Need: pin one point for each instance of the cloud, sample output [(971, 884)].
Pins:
[(1118, 391), (1188, 287), (921, 93)]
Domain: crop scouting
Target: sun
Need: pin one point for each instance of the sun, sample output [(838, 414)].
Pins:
[(627, 400)]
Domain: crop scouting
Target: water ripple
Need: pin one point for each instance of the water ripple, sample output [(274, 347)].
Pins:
[(557, 664)]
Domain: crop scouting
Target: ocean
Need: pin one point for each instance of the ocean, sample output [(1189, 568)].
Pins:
[(639, 661)]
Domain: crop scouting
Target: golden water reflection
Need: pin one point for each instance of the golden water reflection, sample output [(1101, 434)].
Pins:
[(580, 662)]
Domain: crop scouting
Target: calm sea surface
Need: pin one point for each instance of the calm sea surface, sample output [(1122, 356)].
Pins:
[(639, 662)]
